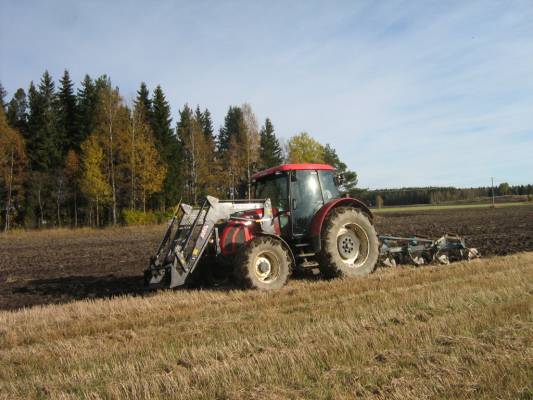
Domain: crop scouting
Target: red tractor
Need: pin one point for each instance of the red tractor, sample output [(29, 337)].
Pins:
[(299, 221)]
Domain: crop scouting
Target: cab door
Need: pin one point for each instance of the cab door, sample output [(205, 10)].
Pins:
[(306, 199)]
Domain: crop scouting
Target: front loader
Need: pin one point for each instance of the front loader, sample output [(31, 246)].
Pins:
[(298, 221)]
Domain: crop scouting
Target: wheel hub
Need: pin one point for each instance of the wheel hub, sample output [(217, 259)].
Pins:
[(348, 245), (263, 267)]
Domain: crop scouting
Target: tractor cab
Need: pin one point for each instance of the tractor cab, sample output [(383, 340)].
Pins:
[(297, 192)]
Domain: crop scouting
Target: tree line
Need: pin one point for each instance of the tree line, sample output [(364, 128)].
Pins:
[(85, 157), (437, 195)]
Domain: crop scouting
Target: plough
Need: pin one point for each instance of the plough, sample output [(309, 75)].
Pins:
[(419, 250)]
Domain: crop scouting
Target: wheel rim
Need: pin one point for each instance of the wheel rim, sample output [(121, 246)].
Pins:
[(266, 267), (353, 245)]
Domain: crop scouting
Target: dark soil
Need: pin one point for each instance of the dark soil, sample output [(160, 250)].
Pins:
[(496, 231), (61, 266)]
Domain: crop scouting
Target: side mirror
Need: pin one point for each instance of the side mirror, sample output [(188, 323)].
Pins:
[(294, 204)]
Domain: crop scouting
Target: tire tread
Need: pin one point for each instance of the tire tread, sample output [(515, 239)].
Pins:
[(328, 266), (244, 259)]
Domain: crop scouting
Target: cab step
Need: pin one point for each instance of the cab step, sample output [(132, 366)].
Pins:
[(308, 264), (305, 255)]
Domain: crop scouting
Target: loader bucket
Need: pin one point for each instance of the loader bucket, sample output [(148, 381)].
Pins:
[(181, 248), (186, 239)]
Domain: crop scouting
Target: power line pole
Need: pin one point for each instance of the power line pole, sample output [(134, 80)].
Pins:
[(492, 186)]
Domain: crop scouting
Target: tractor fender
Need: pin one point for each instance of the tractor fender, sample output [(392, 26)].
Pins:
[(283, 242), (318, 220)]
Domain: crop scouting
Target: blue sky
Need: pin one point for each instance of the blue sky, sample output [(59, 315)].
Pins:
[(410, 93)]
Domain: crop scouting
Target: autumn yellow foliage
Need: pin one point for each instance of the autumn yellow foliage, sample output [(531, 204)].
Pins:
[(304, 149)]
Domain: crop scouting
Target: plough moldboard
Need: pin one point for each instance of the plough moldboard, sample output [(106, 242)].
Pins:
[(419, 250)]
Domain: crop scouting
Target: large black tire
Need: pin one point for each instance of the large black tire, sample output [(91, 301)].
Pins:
[(263, 263), (350, 245)]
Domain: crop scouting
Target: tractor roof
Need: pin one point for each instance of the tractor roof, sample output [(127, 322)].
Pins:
[(291, 167)]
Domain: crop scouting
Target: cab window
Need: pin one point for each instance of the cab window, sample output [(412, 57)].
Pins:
[(274, 188), (327, 182)]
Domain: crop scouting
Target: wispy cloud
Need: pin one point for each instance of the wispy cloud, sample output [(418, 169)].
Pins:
[(410, 93)]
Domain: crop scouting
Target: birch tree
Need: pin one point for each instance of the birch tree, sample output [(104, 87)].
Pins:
[(94, 184), (250, 143), (143, 163), (72, 175), (12, 166), (109, 107), (152, 171)]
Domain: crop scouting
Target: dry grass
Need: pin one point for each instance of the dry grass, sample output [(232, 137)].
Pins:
[(463, 331)]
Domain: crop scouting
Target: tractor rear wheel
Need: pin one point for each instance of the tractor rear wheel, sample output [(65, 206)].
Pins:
[(263, 263), (350, 245)]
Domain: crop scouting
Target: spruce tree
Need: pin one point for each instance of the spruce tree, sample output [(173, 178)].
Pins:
[(67, 115), (207, 125), (187, 130), (50, 139), (184, 124), (101, 82), (161, 120), (270, 153), (43, 150), (87, 100), (210, 166), (41, 140), (233, 124), (198, 116), (34, 124), (168, 147), (17, 112), (143, 102)]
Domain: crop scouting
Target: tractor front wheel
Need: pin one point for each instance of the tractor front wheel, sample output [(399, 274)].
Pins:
[(263, 263), (350, 245)]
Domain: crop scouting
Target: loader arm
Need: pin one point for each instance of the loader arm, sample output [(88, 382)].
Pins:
[(187, 237)]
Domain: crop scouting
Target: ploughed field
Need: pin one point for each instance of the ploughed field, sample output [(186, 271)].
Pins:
[(64, 265), (498, 231)]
